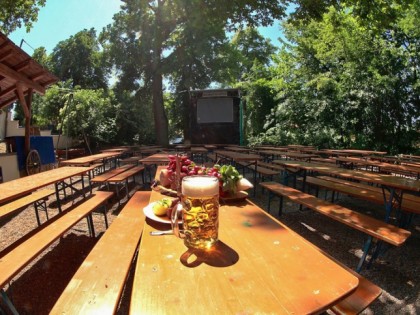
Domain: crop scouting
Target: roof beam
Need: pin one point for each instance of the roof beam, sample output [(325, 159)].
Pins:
[(6, 55), (14, 75), (23, 65), (7, 91)]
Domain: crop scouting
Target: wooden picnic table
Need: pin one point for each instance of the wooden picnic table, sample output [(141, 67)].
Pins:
[(351, 162), (90, 159), (299, 156), (19, 187), (394, 184), (237, 149), (246, 159), (353, 152), (157, 158), (259, 266)]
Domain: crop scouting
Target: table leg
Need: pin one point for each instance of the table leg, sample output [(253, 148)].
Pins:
[(393, 201)]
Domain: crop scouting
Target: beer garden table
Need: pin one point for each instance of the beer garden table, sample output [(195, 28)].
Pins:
[(90, 159), (380, 166), (19, 187), (248, 159), (259, 266), (394, 184)]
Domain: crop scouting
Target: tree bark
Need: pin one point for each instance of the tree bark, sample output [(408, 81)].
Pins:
[(160, 118)]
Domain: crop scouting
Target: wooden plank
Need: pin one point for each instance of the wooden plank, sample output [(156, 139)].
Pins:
[(366, 192), (126, 174), (259, 266), (107, 175), (366, 224), (19, 257), (17, 204), (97, 285), (18, 187)]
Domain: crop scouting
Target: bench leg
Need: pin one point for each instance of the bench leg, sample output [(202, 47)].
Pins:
[(90, 225), (366, 249), (105, 217), (8, 303), (43, 205), (280, 205)]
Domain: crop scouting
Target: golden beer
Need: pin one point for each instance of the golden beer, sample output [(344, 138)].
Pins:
[(200, 213)]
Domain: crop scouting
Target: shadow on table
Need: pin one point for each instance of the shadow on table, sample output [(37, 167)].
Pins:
[(220, 255)]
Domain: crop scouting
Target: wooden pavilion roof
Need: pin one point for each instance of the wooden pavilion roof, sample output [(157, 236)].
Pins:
[(19, 73)]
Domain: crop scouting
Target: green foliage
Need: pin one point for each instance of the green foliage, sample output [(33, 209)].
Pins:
[(183, 41), (15, 13), (349, 81), (79, 59), (89, 115)]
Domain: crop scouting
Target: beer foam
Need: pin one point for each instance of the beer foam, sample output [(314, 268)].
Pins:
[(200, 186)]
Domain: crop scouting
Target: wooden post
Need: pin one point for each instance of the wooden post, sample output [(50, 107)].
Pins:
[(26, 105)]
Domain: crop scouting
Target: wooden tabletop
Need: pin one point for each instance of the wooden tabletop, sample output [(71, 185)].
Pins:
[(198, 150), (89, 159), (259, 266), (18, 187), (397, 168), (157, 158), (299, 156), (365, 176), (360, 152), (237, 149), (238, 157)]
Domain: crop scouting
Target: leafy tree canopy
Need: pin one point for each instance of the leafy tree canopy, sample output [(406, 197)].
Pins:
[(16, 13)]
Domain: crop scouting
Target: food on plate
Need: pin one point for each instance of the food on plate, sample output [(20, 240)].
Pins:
[(161, 207), (230, 181), (164, 206)]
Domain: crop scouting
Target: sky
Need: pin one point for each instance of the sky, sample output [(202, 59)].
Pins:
[(60, 19)]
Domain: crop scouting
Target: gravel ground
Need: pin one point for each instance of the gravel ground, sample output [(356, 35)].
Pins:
[(37, 287)]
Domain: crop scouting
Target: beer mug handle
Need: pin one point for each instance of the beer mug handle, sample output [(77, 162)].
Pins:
[(176, 219)]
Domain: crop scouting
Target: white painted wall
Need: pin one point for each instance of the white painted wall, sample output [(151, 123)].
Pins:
[(9, 166), (13, 130)]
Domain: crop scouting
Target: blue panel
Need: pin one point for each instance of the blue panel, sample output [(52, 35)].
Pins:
[(44, 146)]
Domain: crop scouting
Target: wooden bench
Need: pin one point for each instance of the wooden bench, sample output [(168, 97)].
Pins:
[(373, 228), (364, 295), (263, 172), (409, 203), (20, 256), (122, 179), (272, 166), (130, 160), (97, 285), (101, 179), (97, 169), (38, 198)]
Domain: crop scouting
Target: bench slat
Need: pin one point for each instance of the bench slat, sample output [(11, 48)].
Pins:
[(369, 225), (97, 285), (410, 203), (103, 177), (17, 204), (126, 174), (364, 295), (19, 257)]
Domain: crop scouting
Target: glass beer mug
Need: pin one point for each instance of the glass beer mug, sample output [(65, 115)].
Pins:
[(198, 212)]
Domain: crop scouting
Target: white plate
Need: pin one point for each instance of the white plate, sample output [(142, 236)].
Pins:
[(148, 212)]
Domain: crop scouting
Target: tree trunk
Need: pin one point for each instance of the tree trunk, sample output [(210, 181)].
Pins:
[(160, 118)]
